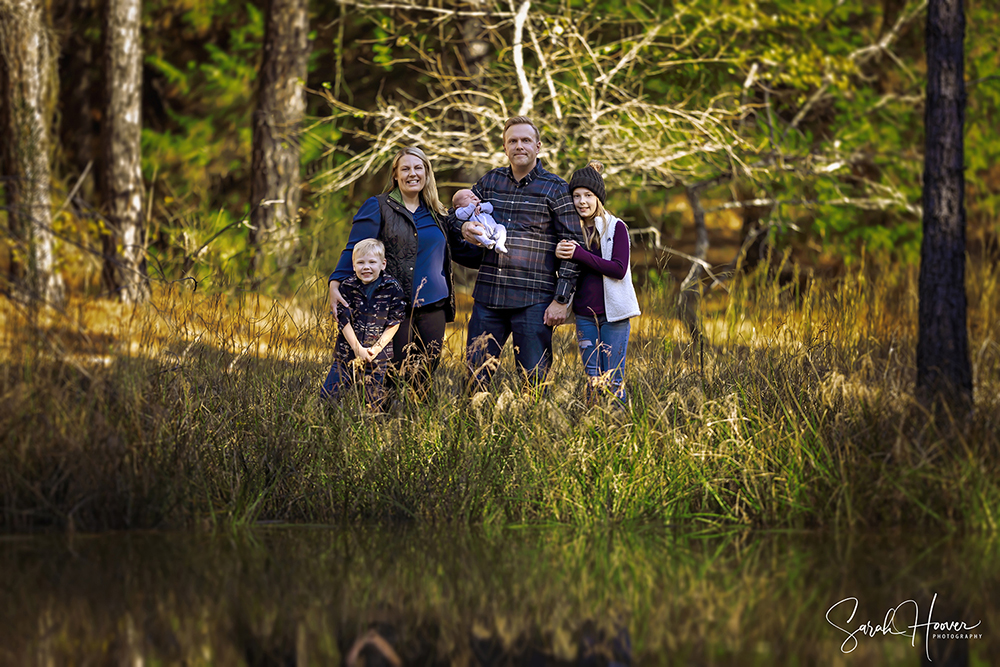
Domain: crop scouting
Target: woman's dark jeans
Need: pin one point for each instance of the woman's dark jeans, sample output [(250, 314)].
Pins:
[(416, 347)]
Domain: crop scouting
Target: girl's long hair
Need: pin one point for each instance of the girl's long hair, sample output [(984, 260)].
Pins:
[(593, 233), (430, 191)]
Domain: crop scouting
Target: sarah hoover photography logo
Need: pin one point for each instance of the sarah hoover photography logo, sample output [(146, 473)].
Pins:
[(896, 622)]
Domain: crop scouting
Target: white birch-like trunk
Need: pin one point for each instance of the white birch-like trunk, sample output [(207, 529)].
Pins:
[(24, 136), (274, 180), (124, 244)]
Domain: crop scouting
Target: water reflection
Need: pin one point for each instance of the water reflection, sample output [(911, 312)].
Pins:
[(424, 596)]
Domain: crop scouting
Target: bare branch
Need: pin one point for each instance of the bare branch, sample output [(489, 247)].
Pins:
[(556, 108), (528, 98), (813, 99), (418, 7), (72, 193), (866, 53), (694, 137)]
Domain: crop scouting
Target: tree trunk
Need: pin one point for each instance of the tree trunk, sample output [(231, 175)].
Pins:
[(753, 240), (274, 184), (124, 243), (474, 58), (690, 293), (943, 347), (25, 60)]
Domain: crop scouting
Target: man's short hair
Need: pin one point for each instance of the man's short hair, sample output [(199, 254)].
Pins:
[(368, 247), (520, 120)]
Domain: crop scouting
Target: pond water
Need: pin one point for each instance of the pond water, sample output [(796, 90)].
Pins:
[(512, 596)]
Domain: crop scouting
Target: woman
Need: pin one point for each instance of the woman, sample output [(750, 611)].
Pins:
[(410, 220)]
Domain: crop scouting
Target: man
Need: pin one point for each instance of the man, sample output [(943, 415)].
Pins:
[(525, 292)]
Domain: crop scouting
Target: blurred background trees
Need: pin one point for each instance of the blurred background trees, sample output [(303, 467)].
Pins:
[(120, 176), (791, 126), (943, 345), (280, 107), (25, 120)]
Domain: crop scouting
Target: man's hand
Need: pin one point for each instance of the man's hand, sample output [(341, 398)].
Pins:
[(556, 314), (335, 297), (469, 231)]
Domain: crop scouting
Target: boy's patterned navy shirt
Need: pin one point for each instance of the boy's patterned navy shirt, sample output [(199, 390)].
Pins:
[(369, 317), (538, 212)]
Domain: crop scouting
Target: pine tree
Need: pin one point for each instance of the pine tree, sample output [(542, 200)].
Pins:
[(943, 346), (274, 184)]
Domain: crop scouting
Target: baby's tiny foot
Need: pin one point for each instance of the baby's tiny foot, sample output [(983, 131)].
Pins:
[(501, 248)]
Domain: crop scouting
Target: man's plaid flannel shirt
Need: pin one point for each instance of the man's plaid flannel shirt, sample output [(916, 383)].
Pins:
[(538, 212)]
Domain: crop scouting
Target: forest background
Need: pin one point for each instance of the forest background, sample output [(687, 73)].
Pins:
[(790, 124)]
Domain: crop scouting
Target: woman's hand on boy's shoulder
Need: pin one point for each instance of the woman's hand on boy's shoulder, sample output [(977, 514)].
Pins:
[(336, 297)]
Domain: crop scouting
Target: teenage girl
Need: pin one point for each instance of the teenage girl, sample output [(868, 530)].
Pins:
[(605, 298)]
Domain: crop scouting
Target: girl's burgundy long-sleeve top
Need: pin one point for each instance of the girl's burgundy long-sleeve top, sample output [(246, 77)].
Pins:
[(589, 299)]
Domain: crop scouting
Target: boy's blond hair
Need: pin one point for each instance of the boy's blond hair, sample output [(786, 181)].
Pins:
[(368, 247)]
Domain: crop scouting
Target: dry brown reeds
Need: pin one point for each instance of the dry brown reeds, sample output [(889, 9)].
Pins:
[(203, 409)]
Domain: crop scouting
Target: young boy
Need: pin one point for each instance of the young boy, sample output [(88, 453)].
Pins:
[(376, 306), (468, 207)]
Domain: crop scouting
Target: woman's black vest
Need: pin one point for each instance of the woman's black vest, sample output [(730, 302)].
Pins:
[(399, 234)]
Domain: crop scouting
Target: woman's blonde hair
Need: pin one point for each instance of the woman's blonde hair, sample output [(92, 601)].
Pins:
[(430, 192), (593, 234)]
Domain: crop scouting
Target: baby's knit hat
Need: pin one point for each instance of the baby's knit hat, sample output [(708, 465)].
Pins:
[(589, 177)]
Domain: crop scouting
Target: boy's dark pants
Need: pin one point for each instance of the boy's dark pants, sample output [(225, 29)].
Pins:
[(372, 376)]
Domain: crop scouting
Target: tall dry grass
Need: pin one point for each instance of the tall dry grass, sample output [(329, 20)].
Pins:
[(203, 409)]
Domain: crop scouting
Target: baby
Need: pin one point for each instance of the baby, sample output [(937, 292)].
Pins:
[(468, 207)]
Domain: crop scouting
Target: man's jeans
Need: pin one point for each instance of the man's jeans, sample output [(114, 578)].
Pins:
[(489, 329), (603, 347)]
